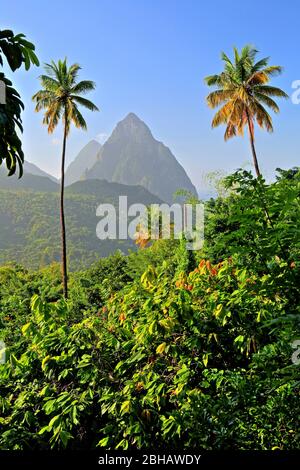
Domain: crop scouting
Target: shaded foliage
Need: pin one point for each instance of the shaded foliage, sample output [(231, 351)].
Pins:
[(17, 51)]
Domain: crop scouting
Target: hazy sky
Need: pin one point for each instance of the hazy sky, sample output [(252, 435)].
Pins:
[(150, 57)]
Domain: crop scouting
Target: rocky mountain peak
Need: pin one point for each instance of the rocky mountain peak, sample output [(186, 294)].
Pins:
[(131, 127)]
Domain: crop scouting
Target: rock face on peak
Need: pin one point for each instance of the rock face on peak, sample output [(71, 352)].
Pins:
[(83, 162), (133, 156)]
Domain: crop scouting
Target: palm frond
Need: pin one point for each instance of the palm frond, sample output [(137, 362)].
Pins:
[(218, 97), (73, 71), (52, 116), (230, 131), (226, 59), (271, 91), (43, 99), (257, 78), (51, 69), (83, 87), (84, 102), (49, 83), (213, 80), (267, 101), (262, 63), (261, 116), (221, 116), (248, 53), (236, 56), (273, 70), (78, 119)]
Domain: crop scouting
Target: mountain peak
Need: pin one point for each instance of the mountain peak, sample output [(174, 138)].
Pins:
[(132, 126), (131, 155), (133, 117)]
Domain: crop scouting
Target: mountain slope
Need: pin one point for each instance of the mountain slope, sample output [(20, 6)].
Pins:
[(31, 174), (86, 158), (35, 170), (104, 189), (28, 181), (132, 156)]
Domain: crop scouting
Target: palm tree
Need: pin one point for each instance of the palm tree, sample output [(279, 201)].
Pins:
[(243, 90), (60, 97)]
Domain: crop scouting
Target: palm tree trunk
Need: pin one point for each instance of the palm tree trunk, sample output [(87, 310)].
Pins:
[(258, 173), (62, 218), (255, 161)]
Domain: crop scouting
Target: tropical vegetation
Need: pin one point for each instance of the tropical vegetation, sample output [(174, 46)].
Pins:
[(181, 348)]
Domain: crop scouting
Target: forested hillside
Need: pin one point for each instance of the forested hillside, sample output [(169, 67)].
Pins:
[(29, 220)]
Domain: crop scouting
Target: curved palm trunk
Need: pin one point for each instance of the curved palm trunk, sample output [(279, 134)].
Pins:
[(251, 135), (62, 218)]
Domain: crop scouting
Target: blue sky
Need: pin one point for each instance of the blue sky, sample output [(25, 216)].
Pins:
[(150, 57)]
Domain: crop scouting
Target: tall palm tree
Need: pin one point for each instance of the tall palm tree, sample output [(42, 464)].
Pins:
[(60, 97), (243, 90)]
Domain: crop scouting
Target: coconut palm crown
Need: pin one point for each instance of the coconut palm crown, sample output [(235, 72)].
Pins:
[(61, 95), (243, 93)]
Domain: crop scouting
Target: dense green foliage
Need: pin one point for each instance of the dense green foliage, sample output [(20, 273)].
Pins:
[(165, 346), (17, 51)]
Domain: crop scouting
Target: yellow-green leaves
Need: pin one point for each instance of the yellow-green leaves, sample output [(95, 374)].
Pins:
[(222, 314), (45, 361), (152, 327), (168, 323), (161, 348), (148, 279), (125, 407), (218, 311), (205, 359), (25, 328)]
